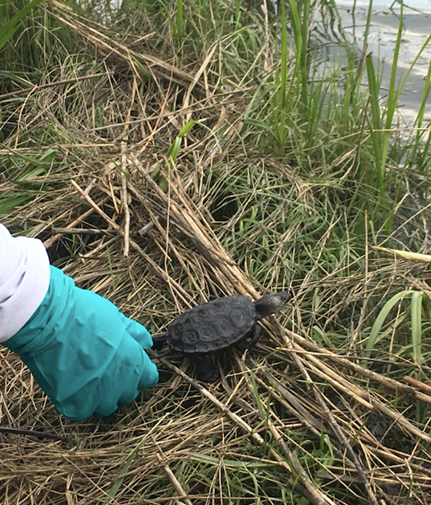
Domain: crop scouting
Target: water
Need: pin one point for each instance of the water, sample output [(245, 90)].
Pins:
[(381, 42), (414, 4)]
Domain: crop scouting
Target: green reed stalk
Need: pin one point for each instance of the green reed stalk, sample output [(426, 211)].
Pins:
[(179, 22)]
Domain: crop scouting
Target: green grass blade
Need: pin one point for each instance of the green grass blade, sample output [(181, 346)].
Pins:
[(375, 123), (262, 411), (7, 31), (144, 72), (304, 66), (368, 22), (392, 94), (377, 326), (417, 297), (123, 470), (284, 63), (179, 22), (174, 149)]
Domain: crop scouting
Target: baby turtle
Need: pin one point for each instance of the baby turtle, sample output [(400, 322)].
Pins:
[(216, 325)]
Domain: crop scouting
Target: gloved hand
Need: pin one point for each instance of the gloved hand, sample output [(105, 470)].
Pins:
[(84, 353)]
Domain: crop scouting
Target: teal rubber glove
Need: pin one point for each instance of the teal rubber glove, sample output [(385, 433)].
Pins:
[(84, 353)]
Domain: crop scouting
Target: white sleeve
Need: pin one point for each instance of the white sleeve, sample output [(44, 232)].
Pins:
[(24, 280)]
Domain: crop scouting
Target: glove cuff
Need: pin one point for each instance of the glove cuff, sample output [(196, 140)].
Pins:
[(55, 301)]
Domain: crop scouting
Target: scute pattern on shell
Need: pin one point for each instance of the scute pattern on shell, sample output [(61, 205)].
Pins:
[(213, 325)]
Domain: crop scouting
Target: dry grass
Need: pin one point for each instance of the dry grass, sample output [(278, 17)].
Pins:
[(292, 416)]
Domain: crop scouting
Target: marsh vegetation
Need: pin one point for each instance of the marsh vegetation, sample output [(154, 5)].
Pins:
[(168, 153)]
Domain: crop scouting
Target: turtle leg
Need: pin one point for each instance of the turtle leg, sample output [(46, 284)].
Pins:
[(206, 371), (159, 341), (255, 337)]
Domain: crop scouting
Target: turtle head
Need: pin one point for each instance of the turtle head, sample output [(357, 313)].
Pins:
[(272, 303)]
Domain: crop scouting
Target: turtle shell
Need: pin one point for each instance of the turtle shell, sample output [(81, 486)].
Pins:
[(213, 325)]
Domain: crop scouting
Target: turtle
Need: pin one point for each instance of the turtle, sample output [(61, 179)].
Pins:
[(216, 325)]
